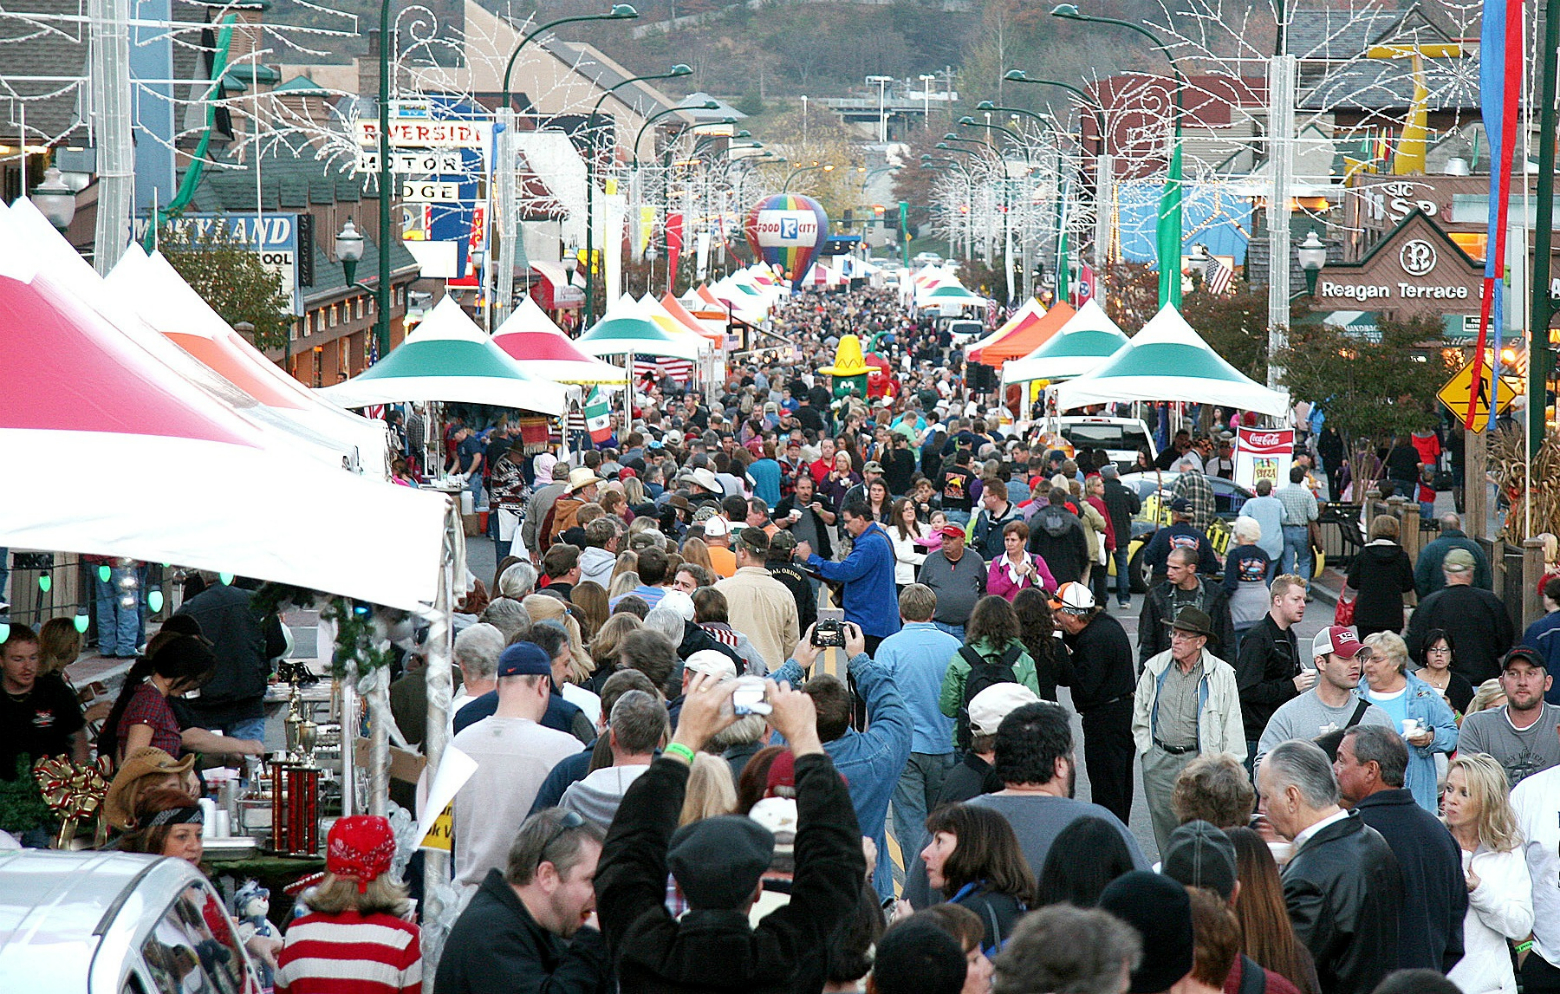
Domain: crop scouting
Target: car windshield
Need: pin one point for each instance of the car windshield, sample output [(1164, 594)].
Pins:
[(1105, 436)]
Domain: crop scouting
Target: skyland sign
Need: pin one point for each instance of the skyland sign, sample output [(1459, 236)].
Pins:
[(1415, 271)]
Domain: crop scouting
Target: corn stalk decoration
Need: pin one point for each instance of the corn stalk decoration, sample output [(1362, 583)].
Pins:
[(1508, 467)]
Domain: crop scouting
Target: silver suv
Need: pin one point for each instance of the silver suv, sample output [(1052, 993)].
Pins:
[(115, 923)]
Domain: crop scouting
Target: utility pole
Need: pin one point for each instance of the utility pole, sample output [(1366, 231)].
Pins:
[(109, 30), (882, 85), (1282, 70), (1540, 360)]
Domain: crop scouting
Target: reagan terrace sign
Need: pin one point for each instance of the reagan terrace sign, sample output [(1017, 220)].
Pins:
[(1415, 271)]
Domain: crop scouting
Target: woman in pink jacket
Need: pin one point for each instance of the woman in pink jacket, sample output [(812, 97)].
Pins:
[(1016, 569)]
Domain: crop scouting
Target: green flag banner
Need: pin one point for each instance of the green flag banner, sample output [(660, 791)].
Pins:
[(1168, 234)]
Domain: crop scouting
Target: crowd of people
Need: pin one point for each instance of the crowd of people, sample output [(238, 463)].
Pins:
[(734, 659)]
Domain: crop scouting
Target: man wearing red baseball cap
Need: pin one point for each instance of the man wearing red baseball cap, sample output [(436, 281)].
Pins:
[(1330, 705), (957, 575)]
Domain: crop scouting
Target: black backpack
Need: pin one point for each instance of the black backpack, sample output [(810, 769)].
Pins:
[(983, 673)]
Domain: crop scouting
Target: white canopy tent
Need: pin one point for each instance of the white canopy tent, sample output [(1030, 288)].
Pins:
[(1167, 360)]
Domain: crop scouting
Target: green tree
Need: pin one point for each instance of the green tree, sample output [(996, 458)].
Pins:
[(232, 280), (1369, 388)]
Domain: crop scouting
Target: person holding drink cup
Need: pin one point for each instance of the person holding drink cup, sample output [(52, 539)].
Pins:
[(1418, 710)]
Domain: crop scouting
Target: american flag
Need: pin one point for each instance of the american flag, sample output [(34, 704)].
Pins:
[(655, 368), (1218, 275)]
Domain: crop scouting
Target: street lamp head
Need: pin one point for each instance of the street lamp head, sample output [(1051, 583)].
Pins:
[(743, 134), (1016, 76), (571, 260), (943, 145), (1068, 10), (54, 199), (984, 105), (829, 168), (949, 137), (622, 12), (1312, 253), (349, 243), (966, 122), (680, 69)]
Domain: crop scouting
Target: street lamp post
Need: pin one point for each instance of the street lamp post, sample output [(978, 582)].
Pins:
[(590, 183), (882, 85), (508, 194), (827, 167)]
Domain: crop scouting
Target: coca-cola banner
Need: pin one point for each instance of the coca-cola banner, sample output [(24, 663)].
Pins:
[(1263, 454)]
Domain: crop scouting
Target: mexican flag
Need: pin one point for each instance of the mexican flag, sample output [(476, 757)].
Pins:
[(598, 416)]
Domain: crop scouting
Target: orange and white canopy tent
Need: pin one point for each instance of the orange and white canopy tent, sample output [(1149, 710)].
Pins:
[(1031, 311), (1025, 338)]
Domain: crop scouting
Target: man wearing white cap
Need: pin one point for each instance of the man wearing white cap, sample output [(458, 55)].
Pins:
[(1102, 675), (717, 536)]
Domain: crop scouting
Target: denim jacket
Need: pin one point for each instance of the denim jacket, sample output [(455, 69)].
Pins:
[(1425, 703)]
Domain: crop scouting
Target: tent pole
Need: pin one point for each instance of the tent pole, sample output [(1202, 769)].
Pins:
[(440, 652), (379, 744)]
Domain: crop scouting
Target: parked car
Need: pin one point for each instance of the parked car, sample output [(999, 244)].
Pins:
[(1155, 491), (926, 259), (115, 923), (1121, 438)]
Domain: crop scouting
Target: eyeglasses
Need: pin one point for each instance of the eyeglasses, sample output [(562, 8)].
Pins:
[(1177, 635), (570, 821)]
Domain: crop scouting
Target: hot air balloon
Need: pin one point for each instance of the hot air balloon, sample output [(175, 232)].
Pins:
[(787, 229)]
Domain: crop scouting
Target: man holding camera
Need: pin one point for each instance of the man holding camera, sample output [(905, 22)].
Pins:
[(870, 761), (869, 599)]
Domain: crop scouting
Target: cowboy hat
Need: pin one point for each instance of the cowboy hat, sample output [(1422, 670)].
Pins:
[(147, 761), (581, 478), (707, 480)]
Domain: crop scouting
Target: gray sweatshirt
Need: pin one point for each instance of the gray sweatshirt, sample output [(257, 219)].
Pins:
[(596, 798), (1306, 717), (957, 585)]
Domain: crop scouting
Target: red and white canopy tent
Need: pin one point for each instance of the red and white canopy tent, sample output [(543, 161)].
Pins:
[(160, 470), (530, 337)]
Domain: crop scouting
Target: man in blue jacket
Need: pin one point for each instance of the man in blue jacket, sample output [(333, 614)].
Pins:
[(870, 761), (868, 574)]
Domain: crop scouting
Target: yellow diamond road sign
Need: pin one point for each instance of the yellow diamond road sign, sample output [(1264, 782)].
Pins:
[(1455, 395)]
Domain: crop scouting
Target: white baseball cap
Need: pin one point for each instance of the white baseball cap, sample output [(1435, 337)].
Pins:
[(717, 526), (711, 663), (990, 706)]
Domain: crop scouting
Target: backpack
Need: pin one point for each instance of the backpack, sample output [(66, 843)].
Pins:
[(983, 673)]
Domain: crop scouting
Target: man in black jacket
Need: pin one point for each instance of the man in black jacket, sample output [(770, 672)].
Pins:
[(1183, 588), (1371, 764), (232, 701), (1102, 678), (718, 863), (1121, 503), (528, 928), (1056, 535), (1342, 886), (1267, 669), (781, 547)]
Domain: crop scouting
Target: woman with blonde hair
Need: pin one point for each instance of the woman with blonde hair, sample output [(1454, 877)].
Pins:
[(58, 646), (711, 790), (1490, 694), (633, 492), (622, 584), (695, 551), (545, 607), (1476, 807), (627, 562)]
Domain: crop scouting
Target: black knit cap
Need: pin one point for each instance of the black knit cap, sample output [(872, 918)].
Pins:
[(917, 957), (718, 861), (1161, 912)]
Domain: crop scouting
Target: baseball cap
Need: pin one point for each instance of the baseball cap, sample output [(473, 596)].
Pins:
[(1181, 505), (1458, 561), (991, 705), (711, 663), (1199, 855), (524, 659), (1074, 598), (1337, 640), (716, 526), (951, 531), (1524, 654), (872, 466)]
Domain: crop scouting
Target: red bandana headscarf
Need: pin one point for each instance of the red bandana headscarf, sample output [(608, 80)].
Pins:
[(360, 848)]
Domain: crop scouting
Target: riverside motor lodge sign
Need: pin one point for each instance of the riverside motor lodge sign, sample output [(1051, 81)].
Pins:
[(1415, 271)]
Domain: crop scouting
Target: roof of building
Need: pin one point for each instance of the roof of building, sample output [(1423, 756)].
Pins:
[(1338, 34), (695, 103), (50, 49)]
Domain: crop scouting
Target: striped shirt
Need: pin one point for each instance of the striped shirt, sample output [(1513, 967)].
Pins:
[(350, 954)]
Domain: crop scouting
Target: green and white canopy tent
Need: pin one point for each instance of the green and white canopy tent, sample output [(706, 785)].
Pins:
[(1167, 360), (1080, 346), (627, 330), (448, 359), (951, 294)]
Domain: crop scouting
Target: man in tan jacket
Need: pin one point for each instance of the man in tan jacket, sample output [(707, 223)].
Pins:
[(760, 606)]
